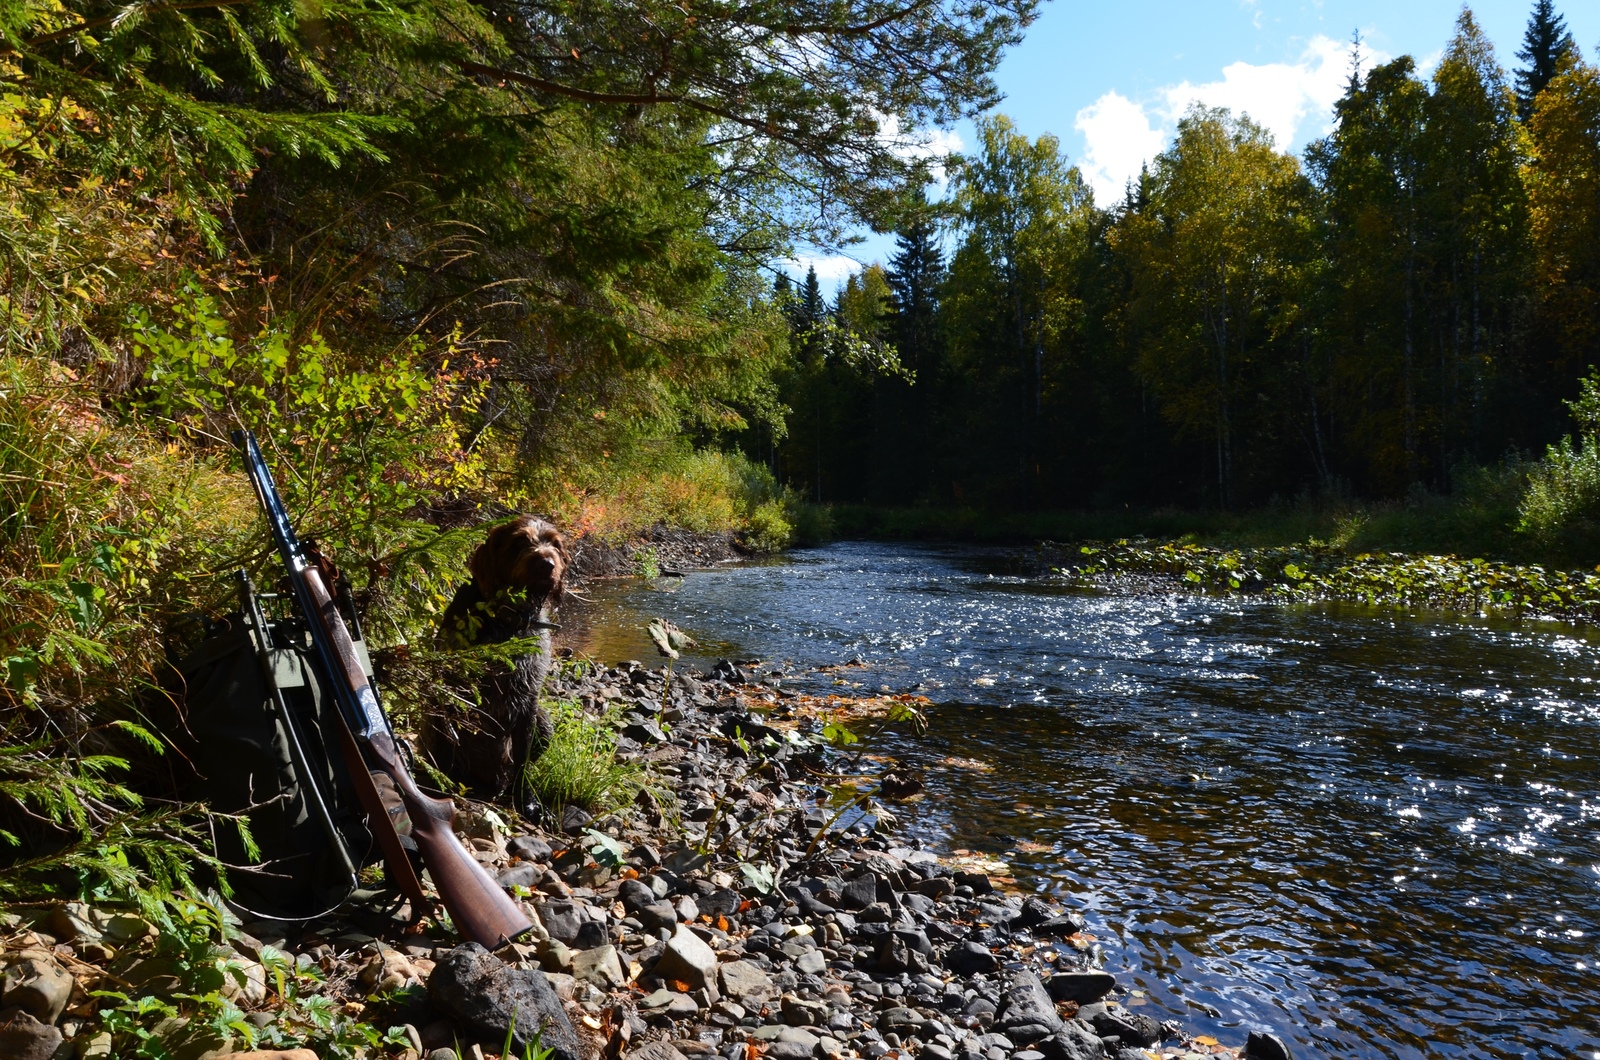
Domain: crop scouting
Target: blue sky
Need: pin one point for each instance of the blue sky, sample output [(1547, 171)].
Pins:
[(1110, 79)]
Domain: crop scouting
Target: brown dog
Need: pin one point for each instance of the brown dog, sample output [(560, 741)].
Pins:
[(517, 576)]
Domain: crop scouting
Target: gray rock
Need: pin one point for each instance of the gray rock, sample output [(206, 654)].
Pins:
[(746, 983), (574, 820), (859, 892), (488, 998), (520, 876), (1132, 1027), (969, 958), (895, 956), (654, 1051), (591, 933), (798, 1012), (529, 848), (900, 1020), (24, 1038), (1026, 1011), (39, 986), (635, 895), (688, 959), (599, 966), (722, 902), (811, 962), (1076, 1041), (444, 1053), (1083, 987), (554, 956), (657, 916), (1264, 1046), (562, 919), (1060, 926), (976, 880)]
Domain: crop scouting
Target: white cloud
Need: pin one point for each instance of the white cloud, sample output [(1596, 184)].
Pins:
[(1120, 134), (1120, 139), (832, 269)]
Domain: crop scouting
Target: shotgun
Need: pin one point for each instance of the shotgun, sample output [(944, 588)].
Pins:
[(480, 910)]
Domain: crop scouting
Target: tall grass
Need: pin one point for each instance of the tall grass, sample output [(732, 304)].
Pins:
[(579, 767)]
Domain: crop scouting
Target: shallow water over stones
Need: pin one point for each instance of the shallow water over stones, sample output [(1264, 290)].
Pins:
[(1372, 834)]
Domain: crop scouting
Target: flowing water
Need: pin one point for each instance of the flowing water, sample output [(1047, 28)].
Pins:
[(1374, 834)]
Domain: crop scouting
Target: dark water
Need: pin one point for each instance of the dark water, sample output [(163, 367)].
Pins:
[(1373, 834)]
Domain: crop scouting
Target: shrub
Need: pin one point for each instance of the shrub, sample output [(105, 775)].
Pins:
[(580, 767)]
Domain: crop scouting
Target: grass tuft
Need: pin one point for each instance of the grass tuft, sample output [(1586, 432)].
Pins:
[(580, 767)]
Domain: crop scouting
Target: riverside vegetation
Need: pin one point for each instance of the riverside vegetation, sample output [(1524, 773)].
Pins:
[(454, 259)]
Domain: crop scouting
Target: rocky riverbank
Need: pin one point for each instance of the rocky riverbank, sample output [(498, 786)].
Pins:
[(711, 921)]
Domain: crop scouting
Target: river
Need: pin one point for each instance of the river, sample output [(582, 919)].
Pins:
[(1371, 833)]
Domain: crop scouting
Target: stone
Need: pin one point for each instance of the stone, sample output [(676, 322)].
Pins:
[(599, 966), (969, 959), (1060, 926), (635, 895), (71, 923), (900, 954), (688, 959), (746, 983), (1083, 987), (39, 986), (22, 1037), (1262, 1045), (445, 1053), (487, 998), (900, 1019), (798, 1012), (976, 880), (859, 892), (591, 933), (554, 956), (1132, 1027), (811, 962), (1026, 1012), (657, 916), (654, 1051), (529, 848), (525, 875), (562, 919), (275, 1054), (574, 819), (1075, 1041)]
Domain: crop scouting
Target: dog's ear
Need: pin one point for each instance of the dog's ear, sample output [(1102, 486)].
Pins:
[(553, 540), (492, 560)]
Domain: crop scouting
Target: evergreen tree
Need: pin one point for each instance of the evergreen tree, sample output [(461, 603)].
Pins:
[(812, 309), (1545, 44), (915, 271)]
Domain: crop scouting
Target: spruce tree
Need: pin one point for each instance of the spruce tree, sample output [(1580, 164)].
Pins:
[(915, 271), (1545, 44), (813, 308)]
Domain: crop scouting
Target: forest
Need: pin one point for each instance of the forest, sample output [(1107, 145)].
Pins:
[(1409, 304)]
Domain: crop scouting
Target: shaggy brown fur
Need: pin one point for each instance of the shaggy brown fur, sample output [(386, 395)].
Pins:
[(517, 576)]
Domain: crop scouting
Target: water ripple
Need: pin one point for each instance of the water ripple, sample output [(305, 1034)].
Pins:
[(1372, 834)]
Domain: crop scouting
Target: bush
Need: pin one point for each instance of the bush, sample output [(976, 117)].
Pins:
[(1561, 504), (705, 491), (580, 767)]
